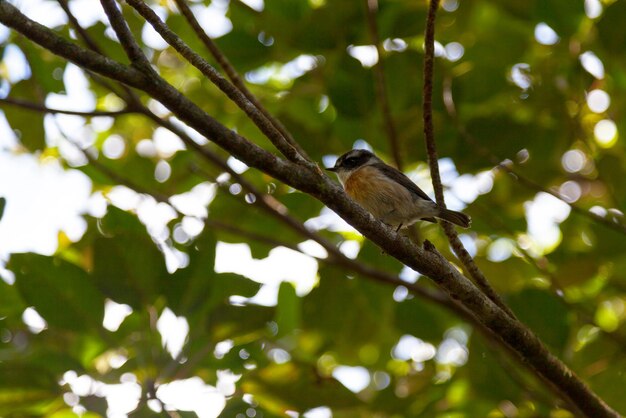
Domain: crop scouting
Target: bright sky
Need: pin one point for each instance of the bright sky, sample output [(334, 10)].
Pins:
[(44, 200)]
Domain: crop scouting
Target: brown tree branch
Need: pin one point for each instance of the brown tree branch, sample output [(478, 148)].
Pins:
[(93, 45), (371, 9), (232, 74), (429, 138), (427, 101), (127, 40), (427, 261), (82, 33), (89, 42), (231, 91), (46, 38)]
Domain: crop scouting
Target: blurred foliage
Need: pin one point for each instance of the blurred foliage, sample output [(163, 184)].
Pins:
[(518, 98), (3, 204)]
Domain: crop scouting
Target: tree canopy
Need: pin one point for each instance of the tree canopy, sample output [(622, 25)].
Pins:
[(212, 275)]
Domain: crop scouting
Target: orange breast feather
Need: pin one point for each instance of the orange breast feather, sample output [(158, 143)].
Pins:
[(373, 191)]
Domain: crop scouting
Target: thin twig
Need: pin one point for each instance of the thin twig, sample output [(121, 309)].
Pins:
[(125, 36), (371, 9), (275, 136), (82, 33), (118, 178), (232, 74), (25, 104), (90, 43), (429, 137), (130, 96), (427, 101)]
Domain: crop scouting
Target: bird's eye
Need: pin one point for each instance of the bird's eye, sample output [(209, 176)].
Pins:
[(350, 162)]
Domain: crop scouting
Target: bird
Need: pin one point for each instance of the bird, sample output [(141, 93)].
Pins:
[(387, 193)]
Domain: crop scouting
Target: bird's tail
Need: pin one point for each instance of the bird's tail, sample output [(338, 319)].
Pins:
[(455, 217)]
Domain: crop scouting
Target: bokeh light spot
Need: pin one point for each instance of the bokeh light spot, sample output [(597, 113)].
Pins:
[(605, 133), (354, 378), (545, 35), (573, 160), (454, 51), (598, 100), (593, 8), (113, 147), (450, 5), (592, 64), (520, 75), (570, 191), (366, 54)]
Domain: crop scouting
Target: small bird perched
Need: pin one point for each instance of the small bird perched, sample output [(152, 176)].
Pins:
[(387, 193)]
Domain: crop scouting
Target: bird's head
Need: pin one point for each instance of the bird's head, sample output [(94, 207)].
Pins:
[(351, 161)]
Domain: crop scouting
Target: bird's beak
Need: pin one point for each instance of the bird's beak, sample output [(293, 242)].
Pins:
[(334, 169)]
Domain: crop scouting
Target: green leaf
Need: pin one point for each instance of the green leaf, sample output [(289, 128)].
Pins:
[(611, 30), (21, 375), (25, 402), (423, 319), (62, 293), (69, 413), (351, 89), (563, 16), (45, 66), (296, 387), (508, 275), (233, 407), (288, 310), (128, 267), (189, 288), (488, 376), (27, 125), (197, 289), (245, 51), (53, 358), (11, 303), (301, 204), (544, 313), (232, 322), (350, 313)]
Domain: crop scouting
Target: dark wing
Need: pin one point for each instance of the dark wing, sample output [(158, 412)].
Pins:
[(399, 177)]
